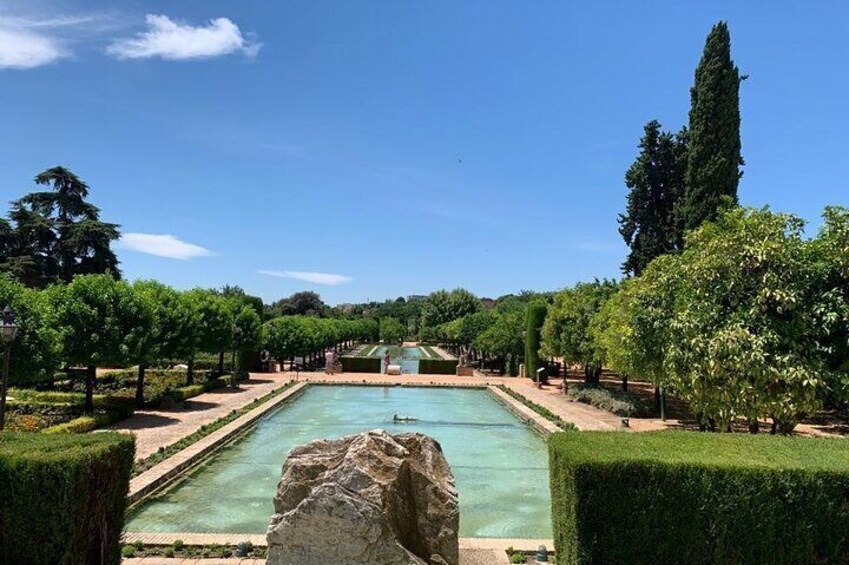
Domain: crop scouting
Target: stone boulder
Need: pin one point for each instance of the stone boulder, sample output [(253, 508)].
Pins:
[(371, 498)]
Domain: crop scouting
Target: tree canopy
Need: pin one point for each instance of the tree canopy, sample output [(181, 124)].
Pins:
[(55, 234), (714, 153)]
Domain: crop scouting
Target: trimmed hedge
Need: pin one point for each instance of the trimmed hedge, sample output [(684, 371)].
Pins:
[(534, 319), (698, 498), (186, 392), (352, 364), (437, 366), (81, 425), (63, 497)]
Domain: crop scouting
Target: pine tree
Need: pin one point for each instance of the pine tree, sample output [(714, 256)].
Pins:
[(56, 234), (713, 168), (651, 223)]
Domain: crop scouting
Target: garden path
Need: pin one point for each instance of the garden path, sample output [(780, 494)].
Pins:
[(155, 428)]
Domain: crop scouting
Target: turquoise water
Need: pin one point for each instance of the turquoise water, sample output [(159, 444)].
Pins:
[(499, 463), (407, 357)]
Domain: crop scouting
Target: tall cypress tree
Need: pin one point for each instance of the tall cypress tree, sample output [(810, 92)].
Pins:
[(651, 223), (713, 168)]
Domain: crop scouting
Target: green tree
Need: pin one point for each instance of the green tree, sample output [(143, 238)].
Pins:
[(172, 322), (306, 303), (505, 337), (215, 325), (35, 351), (535, 319), (747, 337), (631, 329), (59, 234), (287, 336), (247, 336), (566, 332), (392, 331), (444, 306), (101, 322), (650, 225), (831, 252), (714, 158)]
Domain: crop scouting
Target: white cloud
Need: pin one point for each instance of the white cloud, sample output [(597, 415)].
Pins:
[(172, 40), (161, 246), (22, 49), (317, 278)]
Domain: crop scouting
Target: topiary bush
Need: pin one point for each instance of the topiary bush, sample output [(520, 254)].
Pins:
[(698, 498), (535, 319), (63, 497)]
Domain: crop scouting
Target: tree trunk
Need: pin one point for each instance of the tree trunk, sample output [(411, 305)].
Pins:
[(221, 363), (657, 399), (190, 371), (90, 379), (624, 383), (754, 426), (140, 386)]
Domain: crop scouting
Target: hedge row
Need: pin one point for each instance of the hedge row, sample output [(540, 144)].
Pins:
[(352, 364), (683, 497), (437, 366), (63, 497)]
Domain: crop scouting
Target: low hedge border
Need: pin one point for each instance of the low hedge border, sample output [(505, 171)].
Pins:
[(166, 452), (360, 364), (437, 366), (63, 497), (617, 402), (541, 410), (698, 498)]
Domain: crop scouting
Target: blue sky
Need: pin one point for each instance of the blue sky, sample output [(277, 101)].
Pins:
[(398, 146)]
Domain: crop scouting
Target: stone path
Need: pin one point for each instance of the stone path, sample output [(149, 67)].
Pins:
[(155, 428)]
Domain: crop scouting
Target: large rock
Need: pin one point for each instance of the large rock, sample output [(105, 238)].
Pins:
[(371, 498)]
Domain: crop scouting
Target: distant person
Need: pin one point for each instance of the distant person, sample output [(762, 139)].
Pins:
[(329, 361), (387, 359)]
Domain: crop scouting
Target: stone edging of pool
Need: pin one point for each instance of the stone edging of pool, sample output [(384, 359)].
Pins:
[(171, 468), (498, 546), (163, 474)]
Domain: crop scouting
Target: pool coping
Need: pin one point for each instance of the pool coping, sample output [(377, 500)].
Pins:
[(168, 470), (172, 469), (498, 545)]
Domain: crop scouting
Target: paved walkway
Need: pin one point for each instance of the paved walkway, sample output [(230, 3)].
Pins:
[(155, 428)]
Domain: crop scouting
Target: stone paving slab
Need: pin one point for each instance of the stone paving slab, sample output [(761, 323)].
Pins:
[(155, 428)]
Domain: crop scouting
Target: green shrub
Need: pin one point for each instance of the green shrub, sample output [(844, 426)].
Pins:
[(534, 320), (128, 551), (437, 366), (186, 392), (63, 497), (360, 364), (168, 552), (80, 425), (216, 382), (698, 498), (618, 402)]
